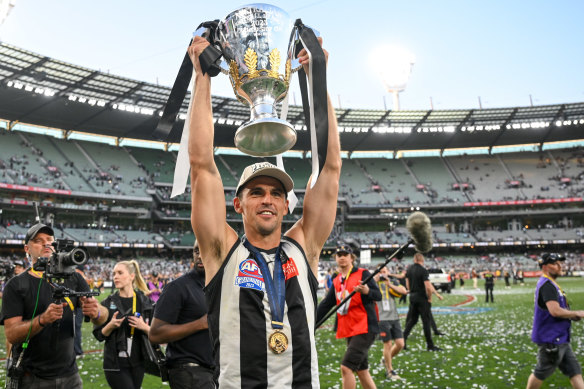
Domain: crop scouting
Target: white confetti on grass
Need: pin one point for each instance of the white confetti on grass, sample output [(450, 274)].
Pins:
[(485, 350)]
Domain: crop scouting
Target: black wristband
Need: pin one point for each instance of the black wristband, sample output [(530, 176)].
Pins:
[(40, 324)]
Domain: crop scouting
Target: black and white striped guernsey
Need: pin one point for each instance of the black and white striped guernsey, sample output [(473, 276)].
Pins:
[(240, 321)]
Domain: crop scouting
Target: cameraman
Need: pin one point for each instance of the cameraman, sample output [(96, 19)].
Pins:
[(30, 315)]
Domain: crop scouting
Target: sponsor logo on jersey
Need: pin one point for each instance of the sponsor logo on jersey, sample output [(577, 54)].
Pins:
[(250, 276), (290, 269)]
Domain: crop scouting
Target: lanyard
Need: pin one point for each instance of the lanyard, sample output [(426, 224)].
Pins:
[(133, 310), (385, 288), (344, 282), (556, 284), (39, 274), (276, 287)]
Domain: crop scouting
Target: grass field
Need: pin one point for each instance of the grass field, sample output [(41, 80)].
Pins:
[(484, 349)]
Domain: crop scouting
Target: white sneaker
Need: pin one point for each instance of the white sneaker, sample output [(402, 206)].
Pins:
[(394, 376)]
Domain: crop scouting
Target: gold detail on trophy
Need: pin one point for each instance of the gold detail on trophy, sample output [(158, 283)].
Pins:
[(251, 61), (234, 73), (288, 72), (235, 80), (274, 64)]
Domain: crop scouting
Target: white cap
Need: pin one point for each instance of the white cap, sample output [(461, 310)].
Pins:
[(264, 169)]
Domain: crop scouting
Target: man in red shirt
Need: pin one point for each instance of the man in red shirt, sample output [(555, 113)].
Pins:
[(356, 319)]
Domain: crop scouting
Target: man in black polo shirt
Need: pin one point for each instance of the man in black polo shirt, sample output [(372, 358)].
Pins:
[(180, 319), (30, 316), (418, 283)]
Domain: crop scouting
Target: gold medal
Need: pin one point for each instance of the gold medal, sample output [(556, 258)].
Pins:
[(278, 342)]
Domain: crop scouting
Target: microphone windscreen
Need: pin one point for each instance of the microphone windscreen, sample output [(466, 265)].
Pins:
[(420, 229)]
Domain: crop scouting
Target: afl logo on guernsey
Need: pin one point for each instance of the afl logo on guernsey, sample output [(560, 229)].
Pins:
[(250, 276)]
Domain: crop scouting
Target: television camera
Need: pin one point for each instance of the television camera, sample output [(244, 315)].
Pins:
[(61, 265), (63, 261), (6, 270)]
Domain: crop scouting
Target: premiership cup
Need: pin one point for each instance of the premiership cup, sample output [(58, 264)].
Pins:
[(257, 43)]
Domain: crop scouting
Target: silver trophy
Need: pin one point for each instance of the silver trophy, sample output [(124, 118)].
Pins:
[(257, 43)]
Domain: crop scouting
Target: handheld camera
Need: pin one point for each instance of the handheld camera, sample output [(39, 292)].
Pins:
[(62, 263)]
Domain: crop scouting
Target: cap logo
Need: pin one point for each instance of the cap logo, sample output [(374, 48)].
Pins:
[(259, 166)]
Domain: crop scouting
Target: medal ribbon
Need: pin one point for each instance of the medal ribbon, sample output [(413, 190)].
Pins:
[(276, 287)]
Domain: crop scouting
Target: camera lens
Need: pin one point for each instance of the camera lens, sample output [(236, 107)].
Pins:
[(78, 256)]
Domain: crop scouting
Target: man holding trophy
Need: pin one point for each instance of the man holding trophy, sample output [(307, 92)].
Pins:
[(261, 288)]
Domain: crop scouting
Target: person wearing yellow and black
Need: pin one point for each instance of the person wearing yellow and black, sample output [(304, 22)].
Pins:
[(356, 319), (389, 325), (489, 285), (31, 316), (126, 329), (506, 276), (551, 326)]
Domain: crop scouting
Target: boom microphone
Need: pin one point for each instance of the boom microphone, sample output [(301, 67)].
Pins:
[(420, 229)]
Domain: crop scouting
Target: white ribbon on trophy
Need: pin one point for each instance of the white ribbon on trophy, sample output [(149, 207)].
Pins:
[(183, 165)]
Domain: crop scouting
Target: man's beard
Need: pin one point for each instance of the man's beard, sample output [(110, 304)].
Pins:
[(199, 269)]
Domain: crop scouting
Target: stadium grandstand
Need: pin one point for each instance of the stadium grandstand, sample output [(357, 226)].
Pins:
[(78, 142)]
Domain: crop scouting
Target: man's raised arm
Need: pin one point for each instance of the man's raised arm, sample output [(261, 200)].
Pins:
[(320, 201), (208, 213)]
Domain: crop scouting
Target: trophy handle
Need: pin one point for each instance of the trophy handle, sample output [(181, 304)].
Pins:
[(210, 58), (295, 46)]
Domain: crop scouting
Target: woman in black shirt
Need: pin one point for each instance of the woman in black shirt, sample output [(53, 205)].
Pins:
[(126, 329)]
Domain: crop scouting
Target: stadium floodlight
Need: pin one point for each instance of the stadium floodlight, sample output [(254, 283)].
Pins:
[(5, 8), (394, 66)]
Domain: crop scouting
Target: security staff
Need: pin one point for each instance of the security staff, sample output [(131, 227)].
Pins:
[(420, 288), (180, 319)]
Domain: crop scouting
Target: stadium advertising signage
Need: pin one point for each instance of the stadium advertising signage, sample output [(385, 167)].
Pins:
[(522, 202)]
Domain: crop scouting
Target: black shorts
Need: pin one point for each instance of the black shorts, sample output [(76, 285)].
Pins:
[(357, 350), (389, 330), (550, 357)]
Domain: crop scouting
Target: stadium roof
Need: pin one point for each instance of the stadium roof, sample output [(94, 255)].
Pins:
[(43, 91)]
